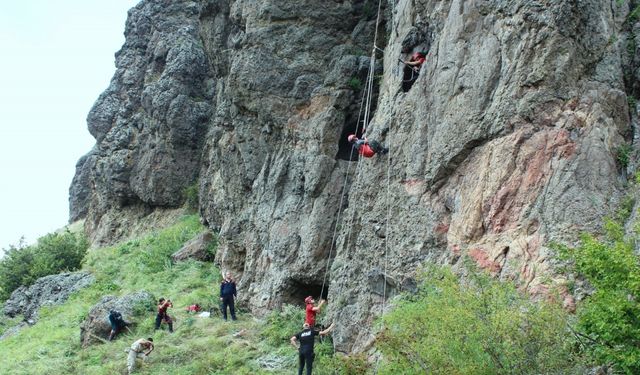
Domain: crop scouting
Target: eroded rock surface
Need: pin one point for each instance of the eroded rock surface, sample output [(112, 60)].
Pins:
[(46, 291), (508, 139)]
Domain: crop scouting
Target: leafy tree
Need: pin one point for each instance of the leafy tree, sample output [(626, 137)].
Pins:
[(475, 326), (53, 253), (609, 319)]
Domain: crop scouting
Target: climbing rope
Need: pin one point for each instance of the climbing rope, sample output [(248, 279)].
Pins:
[(342, 195), (366, 100)]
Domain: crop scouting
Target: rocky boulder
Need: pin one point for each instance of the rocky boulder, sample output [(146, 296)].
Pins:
[(199, 248), (96, 326), (46, 291)]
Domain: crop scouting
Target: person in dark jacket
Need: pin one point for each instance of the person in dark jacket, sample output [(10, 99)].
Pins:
[(227, 296), (117, 323), (305, 348), (162, 315), (365, 147)]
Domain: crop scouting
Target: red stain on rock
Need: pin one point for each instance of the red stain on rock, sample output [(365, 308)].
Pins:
[(531, 171), (441, 228), (483, 261)]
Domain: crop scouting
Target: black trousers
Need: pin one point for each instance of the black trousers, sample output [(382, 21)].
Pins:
[(408, 78), (159, 321), (378, 148), (228, 301), (305, 358)]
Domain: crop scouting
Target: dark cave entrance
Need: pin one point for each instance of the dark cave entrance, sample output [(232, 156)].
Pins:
[(296, 291), (344, 147)]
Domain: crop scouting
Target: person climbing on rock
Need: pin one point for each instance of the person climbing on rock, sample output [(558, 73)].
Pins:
[(117, 323), (227, 295), (412, 69), (162, 315), (306, 339), (311, 311), (140, 348), (365, 147)]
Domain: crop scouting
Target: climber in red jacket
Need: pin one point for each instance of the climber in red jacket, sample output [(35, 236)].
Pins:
[(367, 148)]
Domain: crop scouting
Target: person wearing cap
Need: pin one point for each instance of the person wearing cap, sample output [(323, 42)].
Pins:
[(311, 311), (306, 339), (365, 147)]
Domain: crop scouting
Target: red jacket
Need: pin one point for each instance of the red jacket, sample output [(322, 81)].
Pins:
[(420, 58), (310, 317), (364, 149)]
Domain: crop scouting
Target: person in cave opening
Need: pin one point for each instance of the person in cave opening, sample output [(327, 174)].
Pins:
[(412, 69), (367, 148)]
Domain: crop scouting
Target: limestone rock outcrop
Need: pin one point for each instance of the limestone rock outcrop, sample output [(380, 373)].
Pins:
[(46, 291), (133, 307), (198, 248), (508, 140)]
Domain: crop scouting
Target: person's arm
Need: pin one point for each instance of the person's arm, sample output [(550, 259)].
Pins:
[(294, 342), (235, 292), (221, 285), (317, 308), (327, 331), (150, 349), (413, 63)]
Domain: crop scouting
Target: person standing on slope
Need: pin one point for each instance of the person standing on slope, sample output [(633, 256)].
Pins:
[(162, 315), (227, 295), (306, 339)]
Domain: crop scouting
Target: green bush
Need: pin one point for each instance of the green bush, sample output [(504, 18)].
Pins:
[(623, 154), (192, 198), (480, 326), (52, 254), (609, 319), (283, 324), (355, 83)]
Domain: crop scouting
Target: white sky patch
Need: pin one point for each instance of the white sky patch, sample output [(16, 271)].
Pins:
[(57, 57)]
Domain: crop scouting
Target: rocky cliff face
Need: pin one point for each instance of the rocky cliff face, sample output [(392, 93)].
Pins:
[(506, 141)]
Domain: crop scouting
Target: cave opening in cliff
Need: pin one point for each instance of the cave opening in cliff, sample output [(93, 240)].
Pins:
[(344, 147), (297, 290)]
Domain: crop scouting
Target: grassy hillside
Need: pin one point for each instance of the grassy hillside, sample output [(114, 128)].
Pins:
[(476, 325), (199, 345)]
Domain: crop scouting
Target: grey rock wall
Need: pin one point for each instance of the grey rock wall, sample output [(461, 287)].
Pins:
[(46, 291), (506, 141)]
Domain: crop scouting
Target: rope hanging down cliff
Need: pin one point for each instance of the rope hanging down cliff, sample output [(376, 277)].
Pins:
[(367, 98)]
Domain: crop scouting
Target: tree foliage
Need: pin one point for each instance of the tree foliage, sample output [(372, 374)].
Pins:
[(609, 319), (53, 253), (476, 326)]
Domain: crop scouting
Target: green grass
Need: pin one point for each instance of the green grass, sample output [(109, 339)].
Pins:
[(198, 345)]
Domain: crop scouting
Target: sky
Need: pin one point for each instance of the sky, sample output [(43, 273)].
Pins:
[(56, 58)]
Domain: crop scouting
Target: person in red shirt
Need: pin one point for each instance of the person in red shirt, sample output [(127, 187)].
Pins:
[(367, 148), (162, 316), (311, 311), (412, 69)]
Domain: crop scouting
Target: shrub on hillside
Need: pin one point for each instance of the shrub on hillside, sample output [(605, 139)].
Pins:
[(52, 254), (609, 319), (476, 326)]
